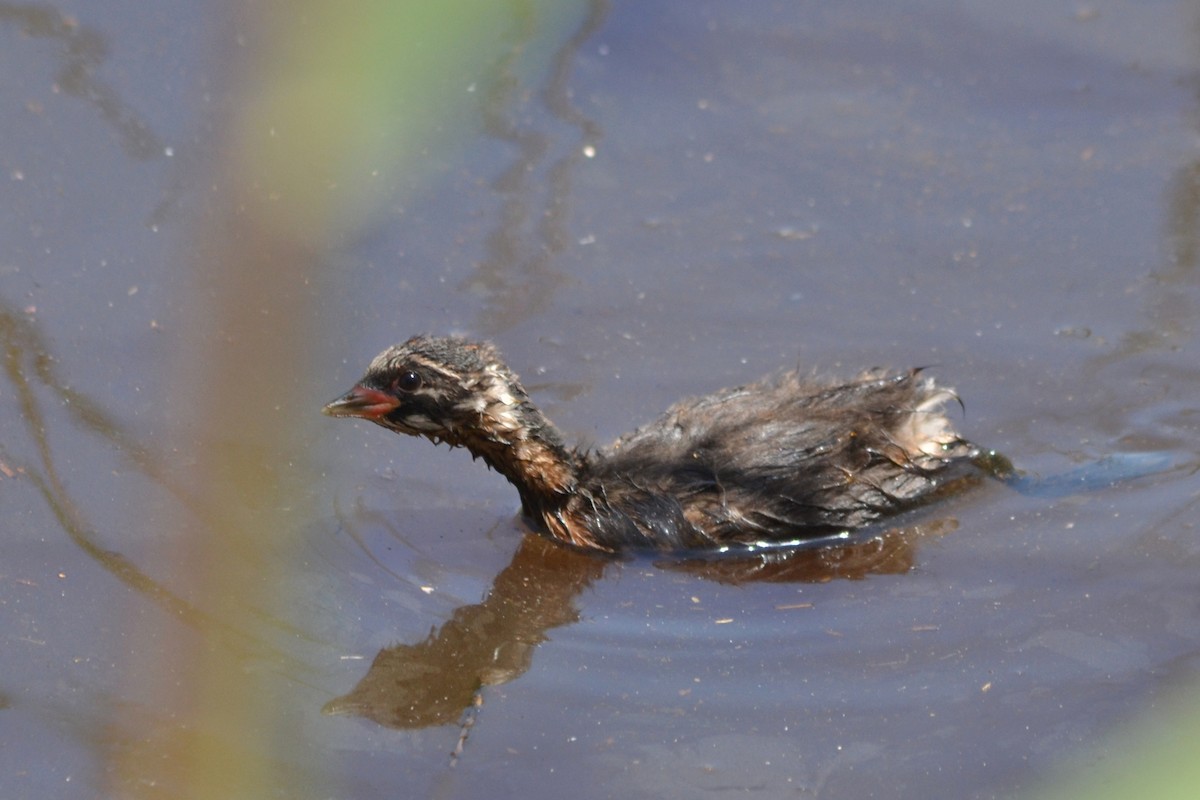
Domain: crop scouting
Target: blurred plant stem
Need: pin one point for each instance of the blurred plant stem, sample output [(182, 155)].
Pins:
[(356, 101), (336, 106), (1154, 759)]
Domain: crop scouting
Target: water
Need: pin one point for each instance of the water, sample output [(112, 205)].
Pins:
[(637, 204)]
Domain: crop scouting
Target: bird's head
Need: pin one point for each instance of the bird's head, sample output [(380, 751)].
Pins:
[(444, 388)]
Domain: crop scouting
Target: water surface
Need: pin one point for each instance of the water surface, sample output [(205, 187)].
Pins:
[(637, 204)]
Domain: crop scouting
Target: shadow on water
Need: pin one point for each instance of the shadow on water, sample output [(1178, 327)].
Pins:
[(519, 278), (28, 365), (82, 50), (1170, 313)]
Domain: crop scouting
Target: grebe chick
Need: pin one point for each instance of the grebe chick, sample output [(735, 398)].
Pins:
[(779, 460)]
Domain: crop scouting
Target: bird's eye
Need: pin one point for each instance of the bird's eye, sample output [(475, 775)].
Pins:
[(408, 381)]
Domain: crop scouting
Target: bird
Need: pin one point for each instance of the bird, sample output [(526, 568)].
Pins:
[(787, 459)]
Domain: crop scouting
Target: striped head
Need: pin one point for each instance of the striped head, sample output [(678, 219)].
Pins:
[(443, 388)]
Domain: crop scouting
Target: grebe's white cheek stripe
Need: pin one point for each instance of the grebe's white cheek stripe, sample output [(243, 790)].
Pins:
[(421, 422), (427, 391), (474, 403), (431, 365)]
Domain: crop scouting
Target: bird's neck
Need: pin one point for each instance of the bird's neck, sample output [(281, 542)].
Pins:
[(517, 440)]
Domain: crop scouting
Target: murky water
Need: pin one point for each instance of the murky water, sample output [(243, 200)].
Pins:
[(637, 203)]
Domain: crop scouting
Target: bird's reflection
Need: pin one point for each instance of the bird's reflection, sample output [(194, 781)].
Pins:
[(489, 643)]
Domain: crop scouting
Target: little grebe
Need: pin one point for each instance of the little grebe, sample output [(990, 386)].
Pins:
[(775, 461)]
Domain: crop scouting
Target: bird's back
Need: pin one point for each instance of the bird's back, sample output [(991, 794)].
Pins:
[(783, 459)]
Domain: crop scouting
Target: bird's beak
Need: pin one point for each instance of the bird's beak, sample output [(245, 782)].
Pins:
[(362, 402)]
